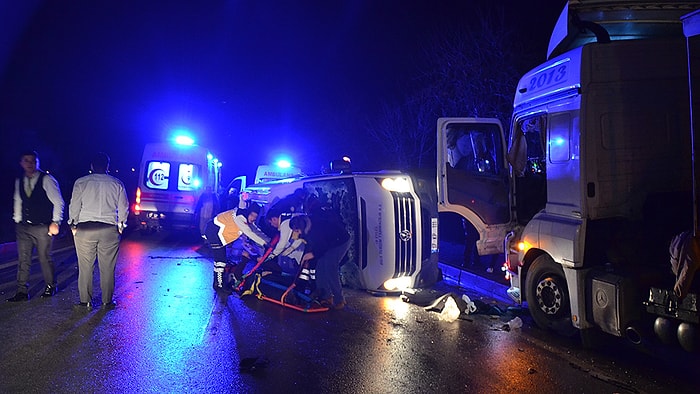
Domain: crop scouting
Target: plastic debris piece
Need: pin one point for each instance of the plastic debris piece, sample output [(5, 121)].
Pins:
[(451, 311), (513, 324), (471, 306)]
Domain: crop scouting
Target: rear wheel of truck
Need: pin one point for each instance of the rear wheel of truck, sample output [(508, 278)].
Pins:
[(548, 297)]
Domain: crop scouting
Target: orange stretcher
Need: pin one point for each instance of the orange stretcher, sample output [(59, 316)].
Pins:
[(278, 288)]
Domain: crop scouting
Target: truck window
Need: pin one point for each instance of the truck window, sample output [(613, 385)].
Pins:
[(472, 148), (559, 135), (527, 157), (475, 171)]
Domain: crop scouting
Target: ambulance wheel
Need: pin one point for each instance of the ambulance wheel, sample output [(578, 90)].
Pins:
[(548, 297)]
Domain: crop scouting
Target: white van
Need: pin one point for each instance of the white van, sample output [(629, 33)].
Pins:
[(391, 218), (172, 178)]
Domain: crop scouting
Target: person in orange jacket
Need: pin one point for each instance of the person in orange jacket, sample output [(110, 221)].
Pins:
[(226, 228)]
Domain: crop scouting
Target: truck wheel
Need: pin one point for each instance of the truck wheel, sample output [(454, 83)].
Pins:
[(548, 297)]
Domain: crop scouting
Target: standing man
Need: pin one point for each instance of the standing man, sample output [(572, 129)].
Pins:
[(38, 211), (207, 207), (97, 214)]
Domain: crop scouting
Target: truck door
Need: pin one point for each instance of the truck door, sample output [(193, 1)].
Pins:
[(473, 177)]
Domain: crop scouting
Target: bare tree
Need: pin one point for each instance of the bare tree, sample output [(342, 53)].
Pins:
[(402, 139), (471, 72)]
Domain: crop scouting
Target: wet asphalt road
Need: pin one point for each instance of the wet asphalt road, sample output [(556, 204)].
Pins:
[(170, 332)]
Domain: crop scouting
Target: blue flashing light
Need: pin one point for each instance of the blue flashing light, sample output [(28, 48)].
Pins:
[(283, 163), (197, 183), (210, 157), (184, 140)]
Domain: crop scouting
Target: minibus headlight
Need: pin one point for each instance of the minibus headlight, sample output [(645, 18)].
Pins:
[(398, 184), (400, 284)]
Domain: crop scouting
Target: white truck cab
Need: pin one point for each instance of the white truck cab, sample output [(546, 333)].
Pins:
[(597, 178)]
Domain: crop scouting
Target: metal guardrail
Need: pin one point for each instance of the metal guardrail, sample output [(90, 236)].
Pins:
[(8, 250)]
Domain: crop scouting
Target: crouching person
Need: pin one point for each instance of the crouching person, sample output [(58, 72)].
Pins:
[(226, 228), (327, 242)]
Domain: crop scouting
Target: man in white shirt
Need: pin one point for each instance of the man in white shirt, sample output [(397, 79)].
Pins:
[(97, 214)]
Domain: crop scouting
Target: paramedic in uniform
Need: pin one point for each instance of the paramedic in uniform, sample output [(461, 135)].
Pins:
[(288, 241), (97, 213), (225, 228), (38, 211)]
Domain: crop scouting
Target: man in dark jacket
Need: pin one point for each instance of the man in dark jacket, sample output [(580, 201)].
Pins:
[(327, 241), (38, 211)]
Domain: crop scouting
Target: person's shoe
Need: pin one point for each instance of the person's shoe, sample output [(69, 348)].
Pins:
[(85, 306), (339, 306), (109, 305), (225, 289), (326, 302), (19, 296), (50, 291)]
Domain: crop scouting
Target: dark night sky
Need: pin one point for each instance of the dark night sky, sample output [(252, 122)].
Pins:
[(250, 78)]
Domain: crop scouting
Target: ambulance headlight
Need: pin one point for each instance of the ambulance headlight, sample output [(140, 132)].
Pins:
[(398, 184), (398, 284)]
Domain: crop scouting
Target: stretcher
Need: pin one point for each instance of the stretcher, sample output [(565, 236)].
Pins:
[(277, 287)]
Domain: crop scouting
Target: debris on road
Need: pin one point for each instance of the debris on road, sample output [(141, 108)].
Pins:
[(516, 322), (252, 364)]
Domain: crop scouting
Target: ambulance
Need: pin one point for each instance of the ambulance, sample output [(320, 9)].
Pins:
[(172, 178)]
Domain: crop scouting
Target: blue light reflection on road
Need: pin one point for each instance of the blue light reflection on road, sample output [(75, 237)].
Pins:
[(165, 304)]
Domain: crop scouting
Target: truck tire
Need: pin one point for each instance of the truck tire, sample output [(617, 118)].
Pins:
[(548, 297)]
